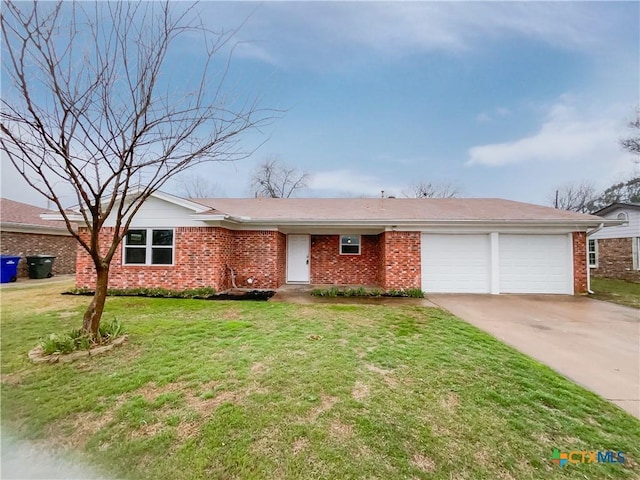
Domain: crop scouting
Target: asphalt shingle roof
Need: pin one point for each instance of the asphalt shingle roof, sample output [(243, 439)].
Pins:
[(409, 209)]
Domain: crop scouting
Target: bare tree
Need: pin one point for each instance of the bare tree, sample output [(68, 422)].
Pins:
[(275, 180), (632, 144), (91, 104), (192, 185), (431, 190), (577, 197)]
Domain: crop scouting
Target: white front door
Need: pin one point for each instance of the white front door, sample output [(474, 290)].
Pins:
[(298, 258)]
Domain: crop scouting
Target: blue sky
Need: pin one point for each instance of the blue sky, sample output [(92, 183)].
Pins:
[(500, 99)]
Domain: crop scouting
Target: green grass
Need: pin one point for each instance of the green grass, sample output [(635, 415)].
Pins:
[(616, 291), (274, 390)]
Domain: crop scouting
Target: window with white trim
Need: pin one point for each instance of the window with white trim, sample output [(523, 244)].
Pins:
[(349, 244), (148, 246), (593, 253), (635, 247)]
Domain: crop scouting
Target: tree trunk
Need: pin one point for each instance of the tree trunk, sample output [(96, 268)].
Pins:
[(91, 319)]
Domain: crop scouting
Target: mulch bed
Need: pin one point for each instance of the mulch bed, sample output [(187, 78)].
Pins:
[(254, 295)]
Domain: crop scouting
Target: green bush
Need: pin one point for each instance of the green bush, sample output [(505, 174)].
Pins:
[(76, 340), (111, 329), (414, 293), (203, 292), (57, 344), (363, 292)]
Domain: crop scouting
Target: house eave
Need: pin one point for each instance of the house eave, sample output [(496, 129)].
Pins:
[(399, 224), (30, 228)]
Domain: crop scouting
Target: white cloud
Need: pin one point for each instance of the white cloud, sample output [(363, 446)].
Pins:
[(316, 33), (568, 134)]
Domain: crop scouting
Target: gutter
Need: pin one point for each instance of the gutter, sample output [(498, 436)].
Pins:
[(589, 233)]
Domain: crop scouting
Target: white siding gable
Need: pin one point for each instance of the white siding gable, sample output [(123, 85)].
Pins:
[(160, 213), (631, 229)]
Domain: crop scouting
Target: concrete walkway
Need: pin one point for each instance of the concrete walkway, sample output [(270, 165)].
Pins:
[(594, 343), (38, 282)]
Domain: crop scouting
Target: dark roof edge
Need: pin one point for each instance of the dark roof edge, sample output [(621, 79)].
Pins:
[(615, 205)]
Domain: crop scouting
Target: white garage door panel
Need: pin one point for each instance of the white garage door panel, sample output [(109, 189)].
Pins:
[(455, 263), (534, 264)]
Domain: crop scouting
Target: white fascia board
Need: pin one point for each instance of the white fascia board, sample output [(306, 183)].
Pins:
[(167, 197), (183, 202), (73, 217), (572, 225)]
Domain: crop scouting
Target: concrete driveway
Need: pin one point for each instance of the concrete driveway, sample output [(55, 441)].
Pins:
[(594, 343)]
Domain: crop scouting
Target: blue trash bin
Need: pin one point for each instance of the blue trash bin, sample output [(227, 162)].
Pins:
[(8, 268)]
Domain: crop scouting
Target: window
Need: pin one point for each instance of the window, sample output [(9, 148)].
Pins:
[(349, 244), (635, 247), (622, 216), (593, 253), (148, 246)]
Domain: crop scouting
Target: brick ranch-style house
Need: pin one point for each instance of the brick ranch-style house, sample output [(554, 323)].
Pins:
[(438, 245), (615, 252), (23, 232)]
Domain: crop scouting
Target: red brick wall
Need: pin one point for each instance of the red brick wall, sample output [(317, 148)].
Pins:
[(615, 260), (201, 256), (282, 258), (329, 267), (579, 263), (63, 247), (400, 261), (256, 255)]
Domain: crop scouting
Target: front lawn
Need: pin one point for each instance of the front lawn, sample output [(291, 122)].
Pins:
[(616, 291), (274, 390)]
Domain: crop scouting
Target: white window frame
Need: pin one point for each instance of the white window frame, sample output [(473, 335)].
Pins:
[(149, 248), (635, 251), (359, 244), (594, 251)]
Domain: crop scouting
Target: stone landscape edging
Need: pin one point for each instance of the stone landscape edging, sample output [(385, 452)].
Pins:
[(36, 355)]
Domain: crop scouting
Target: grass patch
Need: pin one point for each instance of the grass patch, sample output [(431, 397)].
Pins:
[(274, 390), (616, 291)]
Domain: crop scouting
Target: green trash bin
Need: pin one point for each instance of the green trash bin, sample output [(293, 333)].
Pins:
[(40, 266)]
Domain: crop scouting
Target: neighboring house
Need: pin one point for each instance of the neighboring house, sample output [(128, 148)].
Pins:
[(614, 252), (438, 245), (23, 232)]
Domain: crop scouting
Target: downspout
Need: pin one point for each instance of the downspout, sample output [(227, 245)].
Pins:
[(589, 233)]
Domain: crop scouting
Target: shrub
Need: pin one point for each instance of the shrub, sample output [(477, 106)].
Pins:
[(76, 340), (57, 344), (111, 329), (414, 293), (203, 292)]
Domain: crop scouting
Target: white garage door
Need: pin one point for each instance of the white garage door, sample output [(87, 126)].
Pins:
[(456, 263), (535, 264)]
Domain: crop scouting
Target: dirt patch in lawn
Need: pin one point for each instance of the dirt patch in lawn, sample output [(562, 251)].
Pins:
[(76, 431), (386, 375), (150, 392), (326, 402), (360, 391), (451, 401), (13, 378), (423, 463), (299, 445), (340, 431), (259, 368)]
